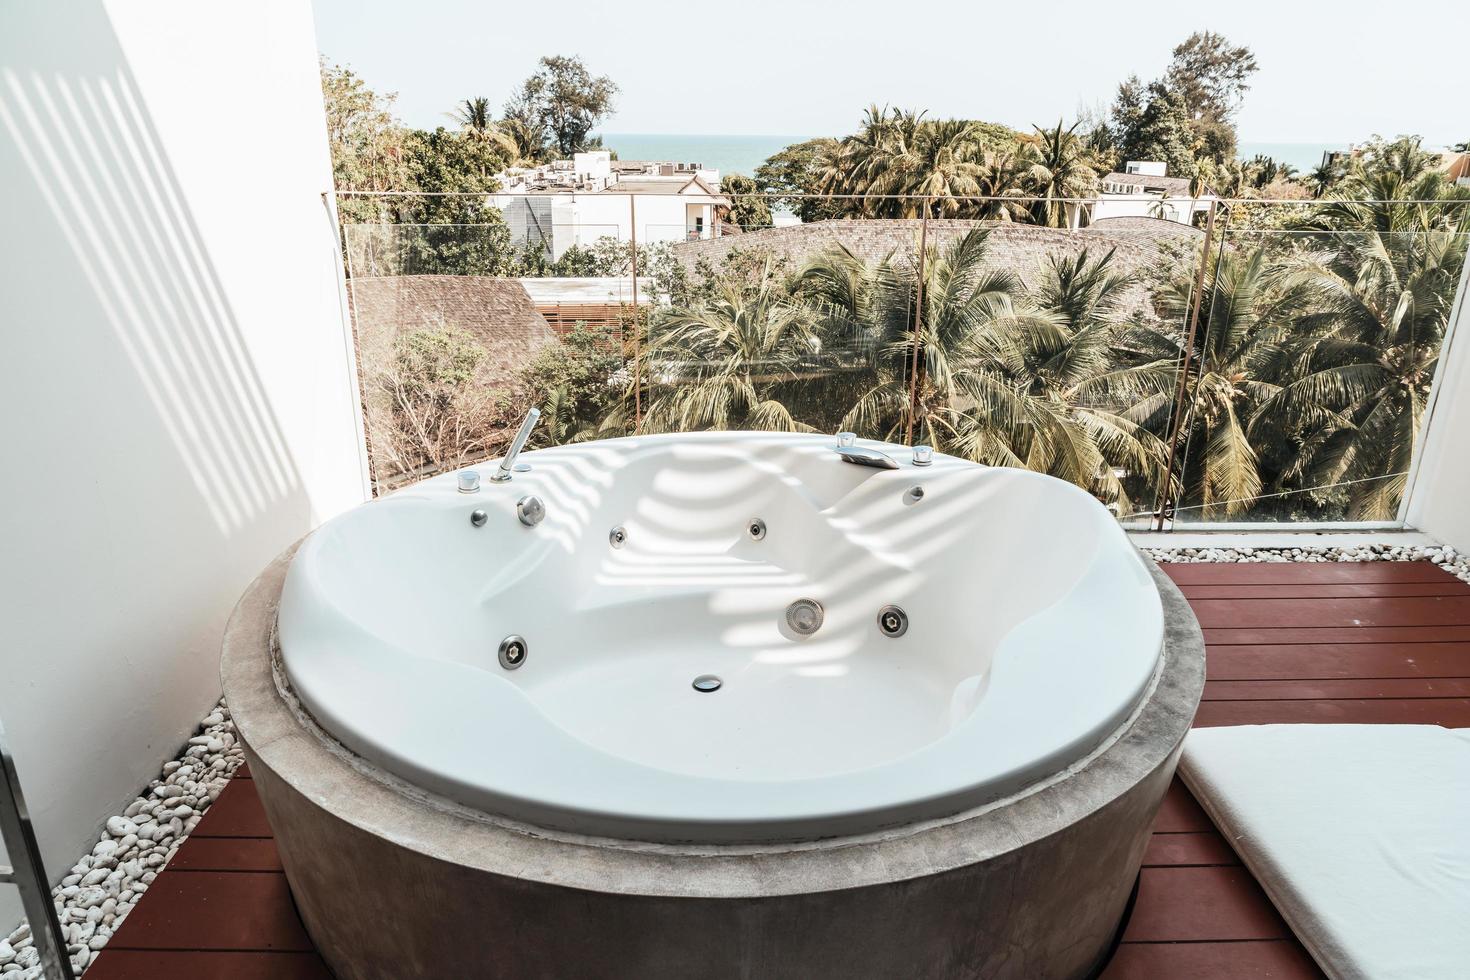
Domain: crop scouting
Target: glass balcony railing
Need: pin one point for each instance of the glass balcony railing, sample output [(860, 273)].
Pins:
[(1266, 362)]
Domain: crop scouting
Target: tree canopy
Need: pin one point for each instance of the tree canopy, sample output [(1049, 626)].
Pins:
[(562, 103)]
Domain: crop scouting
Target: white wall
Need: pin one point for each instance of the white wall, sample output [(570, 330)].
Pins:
[(176, 394), (1439, 494)]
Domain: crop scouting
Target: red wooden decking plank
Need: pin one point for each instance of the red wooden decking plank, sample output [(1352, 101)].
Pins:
[(1192, 904), (226, 854), (1448, 712), (1287, 636), (1338, 689), (1331, 591), (214, 910), (1185, 849), (1325, 660), (1318, 613), (1255, 960), (154, 964), (1304, 573), (237, 813), (1180, 813)]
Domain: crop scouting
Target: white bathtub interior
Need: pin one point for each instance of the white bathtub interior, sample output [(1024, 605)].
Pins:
[(1033, 631)]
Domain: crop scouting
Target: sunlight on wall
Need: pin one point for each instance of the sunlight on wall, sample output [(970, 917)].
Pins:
[(100, 169)]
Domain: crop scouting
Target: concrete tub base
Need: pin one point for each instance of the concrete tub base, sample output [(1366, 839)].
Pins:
[(392, 883)]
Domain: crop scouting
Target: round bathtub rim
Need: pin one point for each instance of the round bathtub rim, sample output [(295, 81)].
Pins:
[(276, 740)]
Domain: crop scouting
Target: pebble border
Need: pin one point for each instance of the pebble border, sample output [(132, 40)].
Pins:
[(100, 889), (103, 886), (1445, 557)]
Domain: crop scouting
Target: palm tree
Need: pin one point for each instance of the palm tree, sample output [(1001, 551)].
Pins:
[(724, 363), (475, 116), (871, 307), (897, 155), (1375, 306), (994, 383), (1061, 171), (1237, 352), (1004, 182)]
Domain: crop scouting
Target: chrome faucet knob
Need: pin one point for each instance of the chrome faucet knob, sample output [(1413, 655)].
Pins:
[(923, 455), (469, 481), (846, 438)]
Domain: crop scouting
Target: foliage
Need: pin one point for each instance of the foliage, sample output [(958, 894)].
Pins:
[(573, 382), (1153, 123), (367, 142), (561, 104), (748, 210), (1062, 170), (432, 409), (474, 116), (797, 170), (1209, 76), (1318, 326), (897, 156)]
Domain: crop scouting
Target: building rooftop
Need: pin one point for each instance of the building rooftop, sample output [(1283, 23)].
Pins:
[(1169, 185), (498, 313), (590, 290)]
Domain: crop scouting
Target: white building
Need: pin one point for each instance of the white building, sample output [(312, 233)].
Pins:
[(1144, 190), (591, 196)]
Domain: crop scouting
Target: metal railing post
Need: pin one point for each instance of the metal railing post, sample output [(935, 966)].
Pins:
[(918, 321), (637, 364), (1177, 423), (28, 873)]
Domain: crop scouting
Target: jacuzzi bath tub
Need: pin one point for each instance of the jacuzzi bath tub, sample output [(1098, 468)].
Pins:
[(959, 764)]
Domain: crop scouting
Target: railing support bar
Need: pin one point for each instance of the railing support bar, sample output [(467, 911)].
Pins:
[(29, 873), (918, 323), (1177, 422)]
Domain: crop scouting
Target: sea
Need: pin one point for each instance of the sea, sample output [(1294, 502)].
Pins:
[(742, 154)]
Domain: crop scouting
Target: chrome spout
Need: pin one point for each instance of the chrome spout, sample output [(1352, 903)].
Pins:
[(863, 456), (507, 465)]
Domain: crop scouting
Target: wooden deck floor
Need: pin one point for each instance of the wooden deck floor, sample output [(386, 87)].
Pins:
[(1373, 642)]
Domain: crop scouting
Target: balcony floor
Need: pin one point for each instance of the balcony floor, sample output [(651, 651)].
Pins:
[(1369, 642)]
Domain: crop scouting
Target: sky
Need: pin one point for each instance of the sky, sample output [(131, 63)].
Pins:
[(1329, 71)]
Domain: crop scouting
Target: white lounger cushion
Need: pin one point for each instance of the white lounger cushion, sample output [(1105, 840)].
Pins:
[(1360, 834)]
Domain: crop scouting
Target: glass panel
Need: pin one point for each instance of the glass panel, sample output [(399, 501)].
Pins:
[(1315, 360), (1050, 337)]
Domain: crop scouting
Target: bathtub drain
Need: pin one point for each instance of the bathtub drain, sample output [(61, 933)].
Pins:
[(707, 683)]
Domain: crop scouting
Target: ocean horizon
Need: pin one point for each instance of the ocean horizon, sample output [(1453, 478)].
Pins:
[(742, 154)]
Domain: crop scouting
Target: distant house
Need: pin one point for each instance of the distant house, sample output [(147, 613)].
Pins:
[(578, 201), (599, 302), (1455, 165), (1144, 190)]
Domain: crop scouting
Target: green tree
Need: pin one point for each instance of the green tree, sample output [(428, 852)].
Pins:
[(1234, 368), (1374, 301), (896, 156), (1210, 76), (997, 382), (367, 143), (454, 231), (797, 170), (723, 364), (1160, 130), (748, 209), (573, 382), (563, 102), (1061, 171), (474, 116)]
